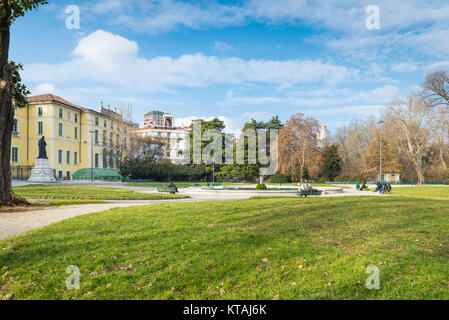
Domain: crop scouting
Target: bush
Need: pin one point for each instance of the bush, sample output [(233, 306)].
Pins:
[(323, 180), (447, 181), (261, 187), (145, 169), (279, 178)]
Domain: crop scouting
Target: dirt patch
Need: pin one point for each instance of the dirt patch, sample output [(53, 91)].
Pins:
[(10, 209)]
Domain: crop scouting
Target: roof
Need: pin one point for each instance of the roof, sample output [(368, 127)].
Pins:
[(52, 98), (155, 112)]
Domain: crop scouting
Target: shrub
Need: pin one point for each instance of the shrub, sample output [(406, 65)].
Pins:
[(447, 181), (279, 178), (261, 187), (323, 180)]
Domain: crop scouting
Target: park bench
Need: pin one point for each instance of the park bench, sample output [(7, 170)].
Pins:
[(306, 193), (364, 188), (167, 189)]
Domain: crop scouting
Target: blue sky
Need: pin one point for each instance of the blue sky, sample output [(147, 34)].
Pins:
[(235, 60)]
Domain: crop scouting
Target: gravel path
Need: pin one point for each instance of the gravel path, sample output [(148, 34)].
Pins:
[(16, 223)]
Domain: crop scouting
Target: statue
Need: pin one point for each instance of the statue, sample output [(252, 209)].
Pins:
[(42, 148)]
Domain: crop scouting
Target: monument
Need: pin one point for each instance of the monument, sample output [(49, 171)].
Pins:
[(42, 172)]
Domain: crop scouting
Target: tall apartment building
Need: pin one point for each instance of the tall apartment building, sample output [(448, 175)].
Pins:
[(77, 137), (158, 119), (160, 127)]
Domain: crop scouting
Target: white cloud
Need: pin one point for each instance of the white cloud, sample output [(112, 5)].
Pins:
[(223, 46), (321, 98), (43, 88), (108, 58)]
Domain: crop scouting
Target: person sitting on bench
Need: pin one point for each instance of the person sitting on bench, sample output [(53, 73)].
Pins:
[(172, 185), (378, 187)]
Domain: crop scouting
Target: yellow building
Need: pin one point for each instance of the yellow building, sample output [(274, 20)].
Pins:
[(77, 137)]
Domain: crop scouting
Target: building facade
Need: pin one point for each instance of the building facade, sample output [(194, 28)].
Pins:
[(159, 126), (77, 137)]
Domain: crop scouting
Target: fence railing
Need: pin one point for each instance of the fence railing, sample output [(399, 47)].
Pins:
[(21, 172)]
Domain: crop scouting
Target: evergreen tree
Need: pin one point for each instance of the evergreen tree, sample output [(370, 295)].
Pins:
[(332, 163)]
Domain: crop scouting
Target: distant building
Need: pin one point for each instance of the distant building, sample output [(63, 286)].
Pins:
[(158, 119), (77, 137), (160, 127)]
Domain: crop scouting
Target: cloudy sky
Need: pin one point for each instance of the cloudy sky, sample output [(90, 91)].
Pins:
[(236, 60)]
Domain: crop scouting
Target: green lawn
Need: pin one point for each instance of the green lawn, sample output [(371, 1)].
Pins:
[(423, 192), (255, 249), (87, 193), (61, 203)]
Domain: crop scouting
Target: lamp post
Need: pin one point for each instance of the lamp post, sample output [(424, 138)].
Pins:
[(213, 173), (92, 155), (380, 135)]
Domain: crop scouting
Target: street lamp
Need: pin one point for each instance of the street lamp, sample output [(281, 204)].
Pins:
[(92, 155), (380, 135)]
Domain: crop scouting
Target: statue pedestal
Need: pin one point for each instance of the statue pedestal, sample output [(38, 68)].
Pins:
[(42, 172)]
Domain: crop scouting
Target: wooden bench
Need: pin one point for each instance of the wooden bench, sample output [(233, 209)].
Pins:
[(167, 189), (306, 193)]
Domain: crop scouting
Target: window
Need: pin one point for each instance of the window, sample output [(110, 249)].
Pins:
[(15, 154), (104, 137), (60, 175), (76, 117), (60, 156), (15, 127), (40, 127), (68, 175), (111, 160), (68, 157), (105, 125), (111, 138), (60, 113), (39, 112), (75, 158), (96, 160), (69, 115), (60, 129), (76, 132), (105, 160), (112, 124), (96, 121), (96, 136)]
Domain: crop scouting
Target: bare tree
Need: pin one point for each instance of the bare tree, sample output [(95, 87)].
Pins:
[(439, 122), (146, 147), (413, 132), (299, 146), (436, 88)]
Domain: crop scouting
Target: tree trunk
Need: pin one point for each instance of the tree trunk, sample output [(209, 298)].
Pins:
[(7, 196)]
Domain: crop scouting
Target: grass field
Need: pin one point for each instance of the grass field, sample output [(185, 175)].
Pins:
[(87, 193), (254, 249), (423, 192)]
